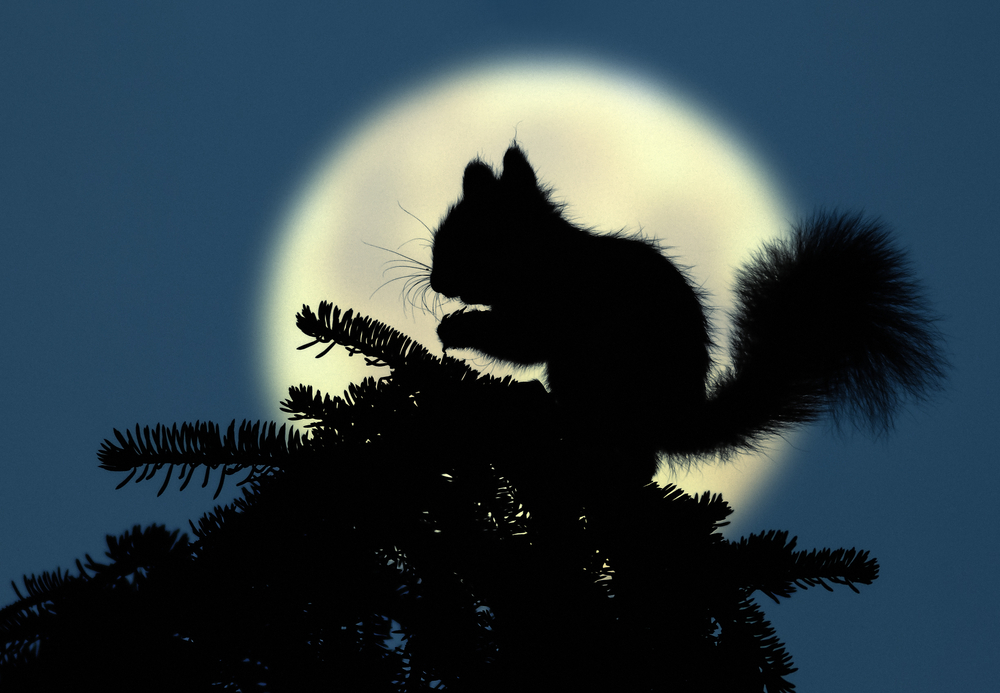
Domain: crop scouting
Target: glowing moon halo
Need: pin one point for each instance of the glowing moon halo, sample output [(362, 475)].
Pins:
[(622, 151)]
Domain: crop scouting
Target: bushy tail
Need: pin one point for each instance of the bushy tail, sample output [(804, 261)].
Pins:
[(827, 321)]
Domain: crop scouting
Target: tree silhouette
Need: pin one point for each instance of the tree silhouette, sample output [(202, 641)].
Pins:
[(426, 532)]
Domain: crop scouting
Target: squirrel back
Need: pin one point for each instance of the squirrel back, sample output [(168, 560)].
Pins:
[(827, 320)]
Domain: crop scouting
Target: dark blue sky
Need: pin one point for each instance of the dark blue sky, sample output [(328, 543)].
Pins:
[(148, 150)]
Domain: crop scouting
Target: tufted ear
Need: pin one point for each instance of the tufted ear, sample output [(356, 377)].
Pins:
[(516, 169), (478, 179)]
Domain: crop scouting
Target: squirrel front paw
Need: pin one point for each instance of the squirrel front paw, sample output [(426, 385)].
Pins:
[(457, 330)]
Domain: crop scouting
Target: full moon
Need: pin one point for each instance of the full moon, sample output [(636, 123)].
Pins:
[(621, 150)]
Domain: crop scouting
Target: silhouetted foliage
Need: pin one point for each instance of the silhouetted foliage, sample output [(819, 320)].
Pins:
[(424, 533)]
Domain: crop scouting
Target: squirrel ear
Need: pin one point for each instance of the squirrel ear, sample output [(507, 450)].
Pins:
[(478, 179), (516, 169)]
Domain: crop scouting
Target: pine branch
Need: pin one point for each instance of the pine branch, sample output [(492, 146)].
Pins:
[(417, 379), (135, 551), (770, 564), (751, 640), (199, 445), (380, 344), (303, 404), (362, 410), (28, 621), (839, 566), (216, 519), (452, 511)]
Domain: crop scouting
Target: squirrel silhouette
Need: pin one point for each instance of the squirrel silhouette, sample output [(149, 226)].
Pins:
[(827, 320)]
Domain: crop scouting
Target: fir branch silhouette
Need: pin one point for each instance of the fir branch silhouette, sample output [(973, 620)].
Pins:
[(261, 447), (24, 623), (471, 541), (751, 639), (380, 344), (362, 409), (774, 568)]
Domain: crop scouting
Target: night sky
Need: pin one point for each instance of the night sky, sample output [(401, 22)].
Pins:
[(148, 152)]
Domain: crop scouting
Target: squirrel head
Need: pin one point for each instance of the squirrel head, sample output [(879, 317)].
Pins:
[(495, 239)]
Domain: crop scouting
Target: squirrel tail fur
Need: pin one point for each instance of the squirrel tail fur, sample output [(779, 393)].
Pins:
[(828, 321)]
